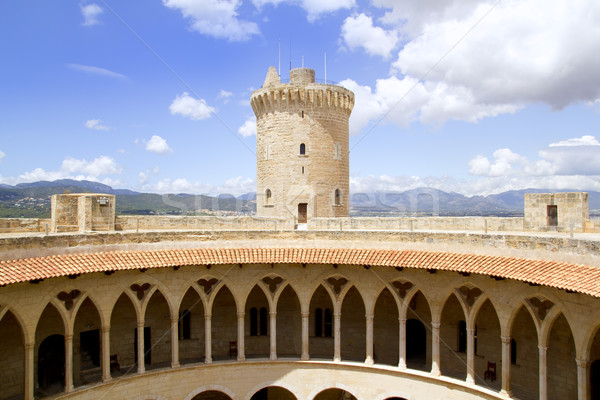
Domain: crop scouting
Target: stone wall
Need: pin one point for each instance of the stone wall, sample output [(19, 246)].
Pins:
[(82, 212), (572, 211), (308, 115)]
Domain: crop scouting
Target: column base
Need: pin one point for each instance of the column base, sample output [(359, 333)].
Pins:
[(369, 361), (304, 357), (175, 365), (435, 372), (505, 393), (241, 359), (470, 380), (106, 380), (337, 359)]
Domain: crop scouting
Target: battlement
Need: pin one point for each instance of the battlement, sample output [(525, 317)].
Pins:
[(300, 94)]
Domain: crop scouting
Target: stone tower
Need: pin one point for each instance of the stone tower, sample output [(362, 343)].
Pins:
[(302, 147)]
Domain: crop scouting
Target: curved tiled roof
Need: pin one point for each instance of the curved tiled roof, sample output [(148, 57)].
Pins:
[(574, 277)]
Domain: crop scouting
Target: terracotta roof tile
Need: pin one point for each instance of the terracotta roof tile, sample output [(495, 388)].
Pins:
[(578, 278)]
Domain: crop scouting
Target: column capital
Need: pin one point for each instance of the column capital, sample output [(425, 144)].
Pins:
[(241, 314), (369, 316), (273, 314), (582, 363), (140, 325), (471, 331), (305, 314), (105, 328), (337, 314), (402, 320), (542, 349), (69, 336), (29, 345), (436, 325), (174, 319), (207, 317), (506, 339)]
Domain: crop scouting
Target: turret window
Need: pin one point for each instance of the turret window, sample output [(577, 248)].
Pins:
[(302, 149), (338, 197), (268, 197)]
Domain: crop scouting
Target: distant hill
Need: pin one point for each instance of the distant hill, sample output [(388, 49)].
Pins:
[(33, 200)]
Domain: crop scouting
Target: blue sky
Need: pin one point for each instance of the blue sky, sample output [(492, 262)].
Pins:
[(470, 96)]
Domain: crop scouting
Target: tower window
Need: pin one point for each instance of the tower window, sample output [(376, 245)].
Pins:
[(338, 152), (338, 197), (302, 149), (462, 336), (268, 197), (323, 323), (302, 114), (258, 321), (185, 319), (513, 351), (302, 170)]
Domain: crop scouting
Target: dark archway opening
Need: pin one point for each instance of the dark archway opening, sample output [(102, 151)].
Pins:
[(416, 344), (334, 394), (211, 395), (595, 380), (273, 393), (51, 364)]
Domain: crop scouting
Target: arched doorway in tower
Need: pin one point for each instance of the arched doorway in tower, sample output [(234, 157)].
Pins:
[(321, 325), (562, 366), (50, 351), (123, 322), (489, 345), (223, 325), (594, 381), (334, 394), (385, 329), (418, 333), (453, 356), (86, 345), (190, 328), (273, 393), (157, 330), (289, 324), (211, 395), (257, 324), (354, 327), (11, 348), (526, 360)]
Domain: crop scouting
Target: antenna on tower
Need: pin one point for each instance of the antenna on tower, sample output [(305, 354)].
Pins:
[(290, 54), (279, 57), (325, 67), (302, 61)]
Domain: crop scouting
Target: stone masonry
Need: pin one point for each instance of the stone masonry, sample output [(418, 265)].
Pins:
[(302, 146)]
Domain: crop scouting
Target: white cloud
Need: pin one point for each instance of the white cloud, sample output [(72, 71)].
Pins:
[(187, 106), (586, 140), (217, 18), (158, 145), (2, 154), (102, 165), (402, 101), (96, 125), (248, 128), (225, 96), (313, 8), (73, 168), (235, 186), (556, 160), (522, 52), (89, 69), (358, 32), (90, 13)]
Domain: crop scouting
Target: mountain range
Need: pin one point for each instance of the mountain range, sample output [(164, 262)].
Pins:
[(33, 200)]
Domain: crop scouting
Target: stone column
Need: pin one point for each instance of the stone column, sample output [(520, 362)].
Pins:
[(369, 360), (543, 372), (273, 335), (435, 349), (305, 355), (583, 381), (337, 333), (69, 362), (506, 361), (29, 371), (402, 350), (140, 348), (174, 341), (471, 356), (241, 334), (207, 339), (106, 353)]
